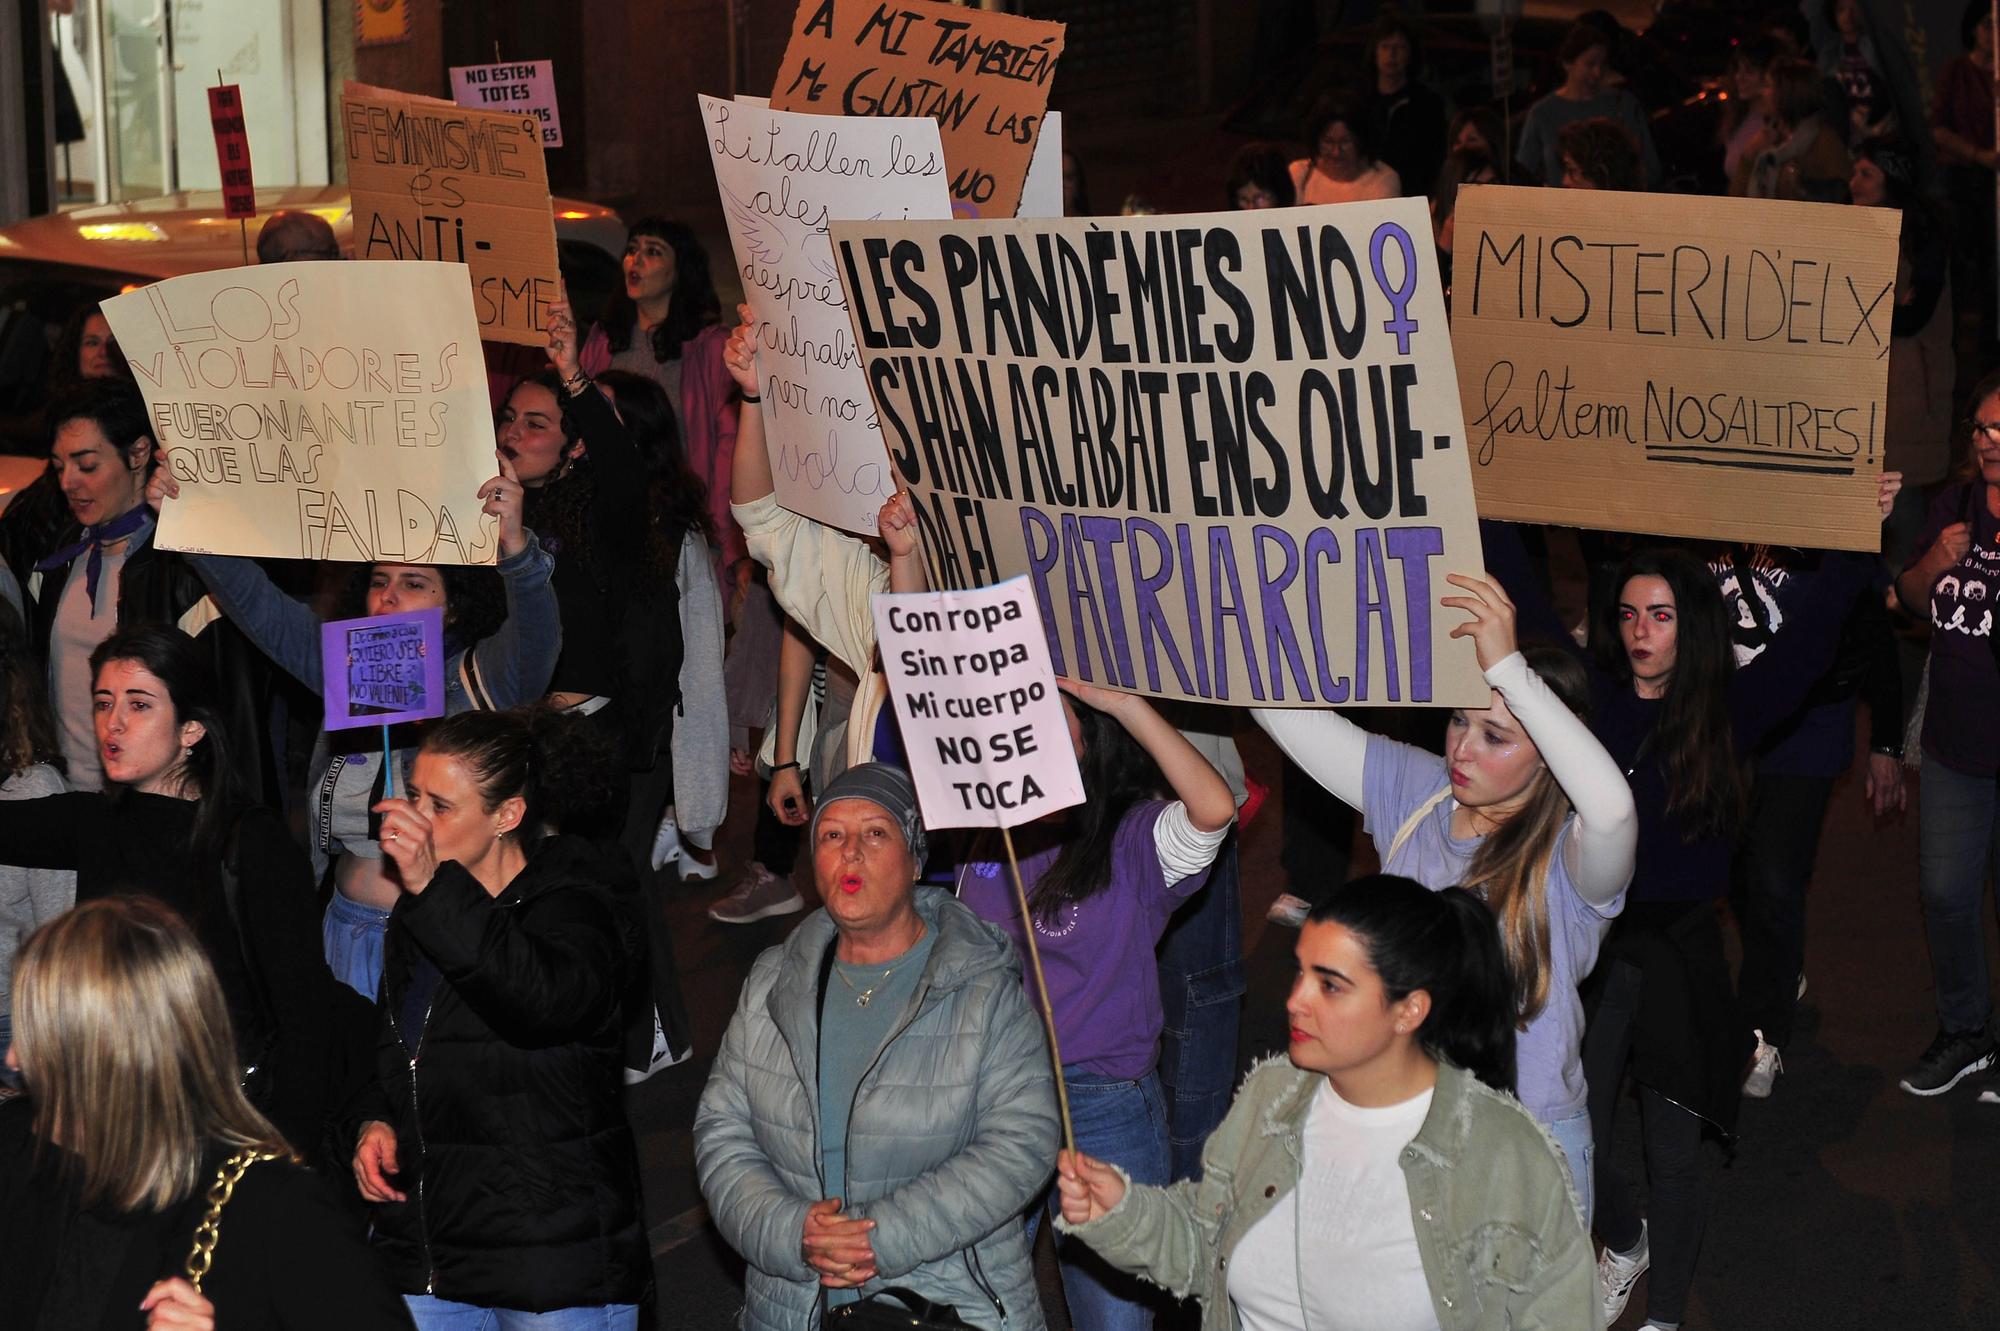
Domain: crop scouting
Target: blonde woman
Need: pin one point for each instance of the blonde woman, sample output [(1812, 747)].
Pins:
[(1527, 810), (132, 1111)]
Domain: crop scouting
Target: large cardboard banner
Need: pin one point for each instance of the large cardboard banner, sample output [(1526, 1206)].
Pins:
[(1675, 365), (783, 177), (317, 410), (982, 719), (436, 181), (983, 76), (1225, 449)]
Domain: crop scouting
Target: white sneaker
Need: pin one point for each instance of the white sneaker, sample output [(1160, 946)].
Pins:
[(666, 840), (661, 1057), (1289, 911), (1617, 1272), (693, 870), (1765, 1065), (758, 895)]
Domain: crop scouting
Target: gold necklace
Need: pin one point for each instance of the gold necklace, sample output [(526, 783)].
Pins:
[(862, 997)]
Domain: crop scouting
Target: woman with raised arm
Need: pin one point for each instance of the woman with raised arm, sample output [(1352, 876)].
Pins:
[(1382, 1180), (1527, 810), (494, 1140), (502, 637)]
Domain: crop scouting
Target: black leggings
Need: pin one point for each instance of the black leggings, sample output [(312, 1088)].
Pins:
[(773, 844), (1676, 1173)]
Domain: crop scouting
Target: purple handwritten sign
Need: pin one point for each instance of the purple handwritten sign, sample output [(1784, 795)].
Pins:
[(383, 669)]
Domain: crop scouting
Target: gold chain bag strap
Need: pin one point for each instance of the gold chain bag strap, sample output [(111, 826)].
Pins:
[(202, 1256)]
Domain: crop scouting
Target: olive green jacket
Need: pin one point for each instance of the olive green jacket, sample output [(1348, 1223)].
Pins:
[(1498, 1227)]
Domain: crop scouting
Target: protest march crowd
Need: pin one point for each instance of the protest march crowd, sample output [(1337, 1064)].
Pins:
[(317, 1016)]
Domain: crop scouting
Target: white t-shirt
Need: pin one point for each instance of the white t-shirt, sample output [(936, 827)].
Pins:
[(1360, 1269)]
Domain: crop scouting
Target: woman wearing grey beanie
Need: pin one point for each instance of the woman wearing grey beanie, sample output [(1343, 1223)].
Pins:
[(883, 1107)]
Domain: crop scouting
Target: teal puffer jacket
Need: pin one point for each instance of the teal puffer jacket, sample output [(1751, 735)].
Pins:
[(953, 1133)]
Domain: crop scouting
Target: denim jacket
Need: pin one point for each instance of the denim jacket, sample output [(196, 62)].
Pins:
[(1498, 1227), (513, 663)]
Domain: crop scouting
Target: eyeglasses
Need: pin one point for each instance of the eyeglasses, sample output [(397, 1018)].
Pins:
[(1987, 430)]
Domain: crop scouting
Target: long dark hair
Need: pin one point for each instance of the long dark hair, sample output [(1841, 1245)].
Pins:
[(63, 372), (1445, 944), (693, 305), (546, 757), (1117, 774), (172, 657), (561, 510), (677, 498), (1692, 738), (27, 727)]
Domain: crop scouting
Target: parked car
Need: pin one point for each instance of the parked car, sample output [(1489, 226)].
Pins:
[(51, 265)]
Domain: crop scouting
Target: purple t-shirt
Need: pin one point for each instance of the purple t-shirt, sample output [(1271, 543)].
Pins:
[(1397, 779), (1097, 955), (1962, 716)]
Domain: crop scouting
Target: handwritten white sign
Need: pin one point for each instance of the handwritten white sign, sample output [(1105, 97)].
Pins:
[(983, 724), (1042, 192), (783, 177), (317, 410), (527, 86)]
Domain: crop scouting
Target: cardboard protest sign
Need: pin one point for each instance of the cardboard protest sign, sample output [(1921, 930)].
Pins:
[(383, 669), (1042, 193), (782, 176), (982, 720), (1226, 449), (523, 87), (983, 76), (317, 410), (232, 151), (1681, 366), (432, 180)]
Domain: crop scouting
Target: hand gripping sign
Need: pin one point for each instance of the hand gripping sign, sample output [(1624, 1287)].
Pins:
[(383, 669), (983, 726)]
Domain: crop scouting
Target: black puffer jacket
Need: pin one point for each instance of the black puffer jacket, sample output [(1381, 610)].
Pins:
[(521, 1174)]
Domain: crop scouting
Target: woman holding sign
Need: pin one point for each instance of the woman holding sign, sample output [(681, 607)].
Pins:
[(1527, 810), (501, 643), (1383, 1179), (1102, 881)]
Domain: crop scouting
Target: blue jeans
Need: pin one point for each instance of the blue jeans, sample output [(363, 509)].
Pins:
[(1201, 997), (1123, 1123), (434, 1314), (352, 936), (1573, 1135), (1958, 849)]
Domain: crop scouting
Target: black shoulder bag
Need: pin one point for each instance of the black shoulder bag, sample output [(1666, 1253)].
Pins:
[(895, 1310)]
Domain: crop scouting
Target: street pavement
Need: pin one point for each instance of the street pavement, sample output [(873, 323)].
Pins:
[(1848, 1203)]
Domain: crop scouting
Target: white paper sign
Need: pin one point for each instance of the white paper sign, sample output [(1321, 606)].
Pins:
[(527, 86), (317, 410), (1041, 193), (783, 177), (983, 724)]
